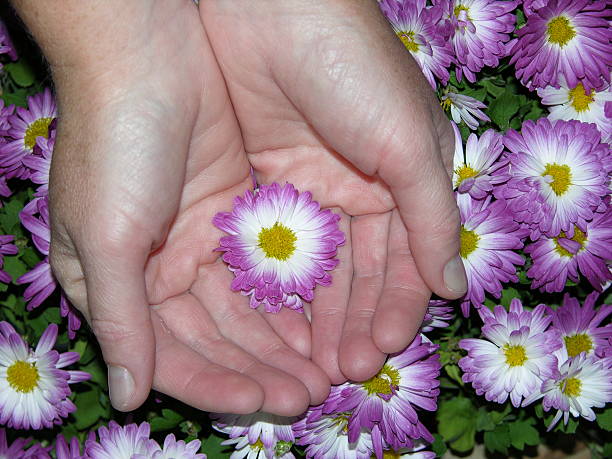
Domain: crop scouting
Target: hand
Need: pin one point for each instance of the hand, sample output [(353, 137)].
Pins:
[(328, 99), (148, 150)]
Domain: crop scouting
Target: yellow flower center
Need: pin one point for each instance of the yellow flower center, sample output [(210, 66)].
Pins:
[(577, 343), (277, 242), (579, 236), (342, 421), (382, 383), (446, 104), (22, 376), (39, 128), (465, 172), (515, 355), (258, 445), (469, 242), (580, 99), (571, 387), (407, 39), (561, 177), (388, 454), (560, 31), (459, 8)]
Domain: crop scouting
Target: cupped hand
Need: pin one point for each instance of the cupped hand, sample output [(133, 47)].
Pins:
[(328, 99), (148, 150)]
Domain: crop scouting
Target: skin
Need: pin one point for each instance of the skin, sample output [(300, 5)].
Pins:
[(161, 120)]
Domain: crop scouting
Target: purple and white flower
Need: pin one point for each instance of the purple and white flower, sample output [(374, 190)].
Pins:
[(326, 435), (419, 29), (117, 441), (438, 315), (582, 382), (576, 103), (479, 169), (257, 435), (18, 449), (479, 31), (385, 404), (588, 251), (6, 248), (464, 108), (515, 356), (488, 238), (34, 387), (26, 126), (564, 38), (280, 245), (559, 175)]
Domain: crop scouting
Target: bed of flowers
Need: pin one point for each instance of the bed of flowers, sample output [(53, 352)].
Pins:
[(523, 360)]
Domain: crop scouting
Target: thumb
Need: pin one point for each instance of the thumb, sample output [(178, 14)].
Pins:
[(120, 317)]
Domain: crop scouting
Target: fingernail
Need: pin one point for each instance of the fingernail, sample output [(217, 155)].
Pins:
[(120, 387), (454, 275)]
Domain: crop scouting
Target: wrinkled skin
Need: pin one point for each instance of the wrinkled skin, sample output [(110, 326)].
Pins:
[(157, 133)]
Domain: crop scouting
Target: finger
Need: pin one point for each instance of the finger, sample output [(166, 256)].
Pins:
[(191, 324), (329, 309), (292, 327), (246, 328), (119, 313), (189, 377), (404, 299), (359, 357)]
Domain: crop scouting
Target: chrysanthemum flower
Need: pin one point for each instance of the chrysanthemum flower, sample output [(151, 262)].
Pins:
[(39, 162), (177, 449), (326, 435), (582, 382), (480, 169), (385, 404), (35, 218), (576, 103), (479, 32), (116, 442), (418, 28), (26, 126), (559, 175), (6, 45), (569, 38), (6, 248), (34, 388), (515, 356), (72, 450), (556, 259), (580, 326), (488, 237), (280, 245), (17, 450), (5, 116), (438, 315), (261, 433), (464, 108), (529, 6)]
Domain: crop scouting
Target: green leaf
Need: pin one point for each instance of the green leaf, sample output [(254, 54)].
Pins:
[(607, 450), (484, 420), (503, 108), (89, 409), (454, 373), (604, 419), (457, 423), (15, 267), (498, 440), (508, 294), (438, 446), (21, 73), (97, 370), (213, 448), (522, 433), (168, 420), (18, 97), (9, 215), (499, 416)]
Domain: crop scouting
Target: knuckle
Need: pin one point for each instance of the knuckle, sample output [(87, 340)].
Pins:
[(112, 331)]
